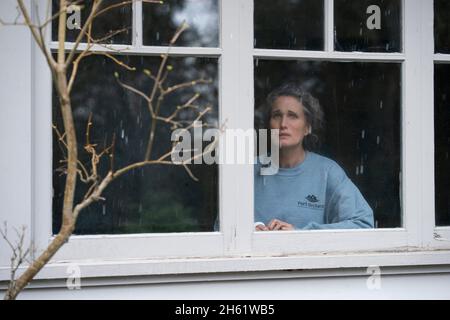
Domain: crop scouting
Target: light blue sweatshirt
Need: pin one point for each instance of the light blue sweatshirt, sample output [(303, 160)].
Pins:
[(316, 194)]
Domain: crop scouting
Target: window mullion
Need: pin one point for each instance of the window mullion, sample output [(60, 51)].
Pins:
[(236, 112), (41, 154), (416, 215), (137, 24), (426, 51), (329, 26)]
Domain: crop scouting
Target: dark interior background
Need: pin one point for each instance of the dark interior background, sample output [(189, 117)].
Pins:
[(361, 102), (156, 198)]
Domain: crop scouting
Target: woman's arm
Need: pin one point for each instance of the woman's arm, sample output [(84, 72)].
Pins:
[(346, 207)]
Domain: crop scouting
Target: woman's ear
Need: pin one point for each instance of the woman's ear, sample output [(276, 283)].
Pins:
[(309, 130)]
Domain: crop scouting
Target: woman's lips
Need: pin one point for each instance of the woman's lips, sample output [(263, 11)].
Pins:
[(284, 135)]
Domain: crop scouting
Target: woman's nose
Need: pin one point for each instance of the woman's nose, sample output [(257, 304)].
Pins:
[(283, 122)]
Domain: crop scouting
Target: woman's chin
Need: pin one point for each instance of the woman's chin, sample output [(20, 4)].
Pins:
[(286, 145)]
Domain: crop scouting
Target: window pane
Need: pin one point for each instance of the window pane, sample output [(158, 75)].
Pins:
[(361, 105), (367, 25), (294, 24), (155, 198), (115, 24), (442, 26), (442, 143), (162, 20)]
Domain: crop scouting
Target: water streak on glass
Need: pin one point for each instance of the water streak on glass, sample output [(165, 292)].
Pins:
[(442, 143), (112, 26), (161, 21), (156, 198), (293, 24), (442, 26), (367, 25), (362, 137)]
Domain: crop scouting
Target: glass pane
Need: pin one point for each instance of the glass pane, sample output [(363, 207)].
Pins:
[(442, 26), (367, 25), (155, 198), (293, 24), (442, 143), (111, 26), (361, 133), (161, 21)]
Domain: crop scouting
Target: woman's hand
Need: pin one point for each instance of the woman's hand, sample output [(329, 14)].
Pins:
[(259, 226), (276, 224)]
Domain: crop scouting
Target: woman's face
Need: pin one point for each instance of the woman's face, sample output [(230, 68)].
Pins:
[(287, 115)]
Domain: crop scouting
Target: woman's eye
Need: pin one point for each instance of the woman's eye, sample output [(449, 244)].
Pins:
[(293, 115)]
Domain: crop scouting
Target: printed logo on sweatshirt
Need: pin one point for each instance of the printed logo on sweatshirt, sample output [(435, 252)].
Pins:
[(311, 203), (312, 198)]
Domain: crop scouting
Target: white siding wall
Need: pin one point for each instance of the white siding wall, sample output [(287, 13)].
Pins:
[(425, 286), (15, 125)]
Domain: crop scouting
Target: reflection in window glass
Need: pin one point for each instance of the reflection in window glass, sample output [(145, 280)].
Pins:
[(442, 26), (361, 105), (156, 198), (367, 25), (112, 26), (293, 24), (442, 143), (162, 20)]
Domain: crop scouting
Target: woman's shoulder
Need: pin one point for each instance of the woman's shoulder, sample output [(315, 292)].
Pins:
[(323, 161), (331, 167)]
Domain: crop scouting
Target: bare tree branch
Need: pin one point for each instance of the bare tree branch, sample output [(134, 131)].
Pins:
[(19, 254), (89, 172), (124, 3), (36, 35), (95, 6)]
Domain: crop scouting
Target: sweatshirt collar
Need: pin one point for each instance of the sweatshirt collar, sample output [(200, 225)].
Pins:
[(299, 168)]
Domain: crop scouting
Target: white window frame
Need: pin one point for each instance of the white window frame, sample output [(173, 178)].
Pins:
[(441, 235), (237, 247)]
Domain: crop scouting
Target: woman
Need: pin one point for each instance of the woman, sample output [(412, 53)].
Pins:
[(309, 191)]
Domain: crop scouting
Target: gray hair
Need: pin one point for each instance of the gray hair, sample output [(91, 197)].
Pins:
[(311, 107)]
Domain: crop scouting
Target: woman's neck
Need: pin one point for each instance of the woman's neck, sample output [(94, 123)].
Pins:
[(291, 157)]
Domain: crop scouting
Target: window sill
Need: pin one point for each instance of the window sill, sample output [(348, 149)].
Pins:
[(243, 268)]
